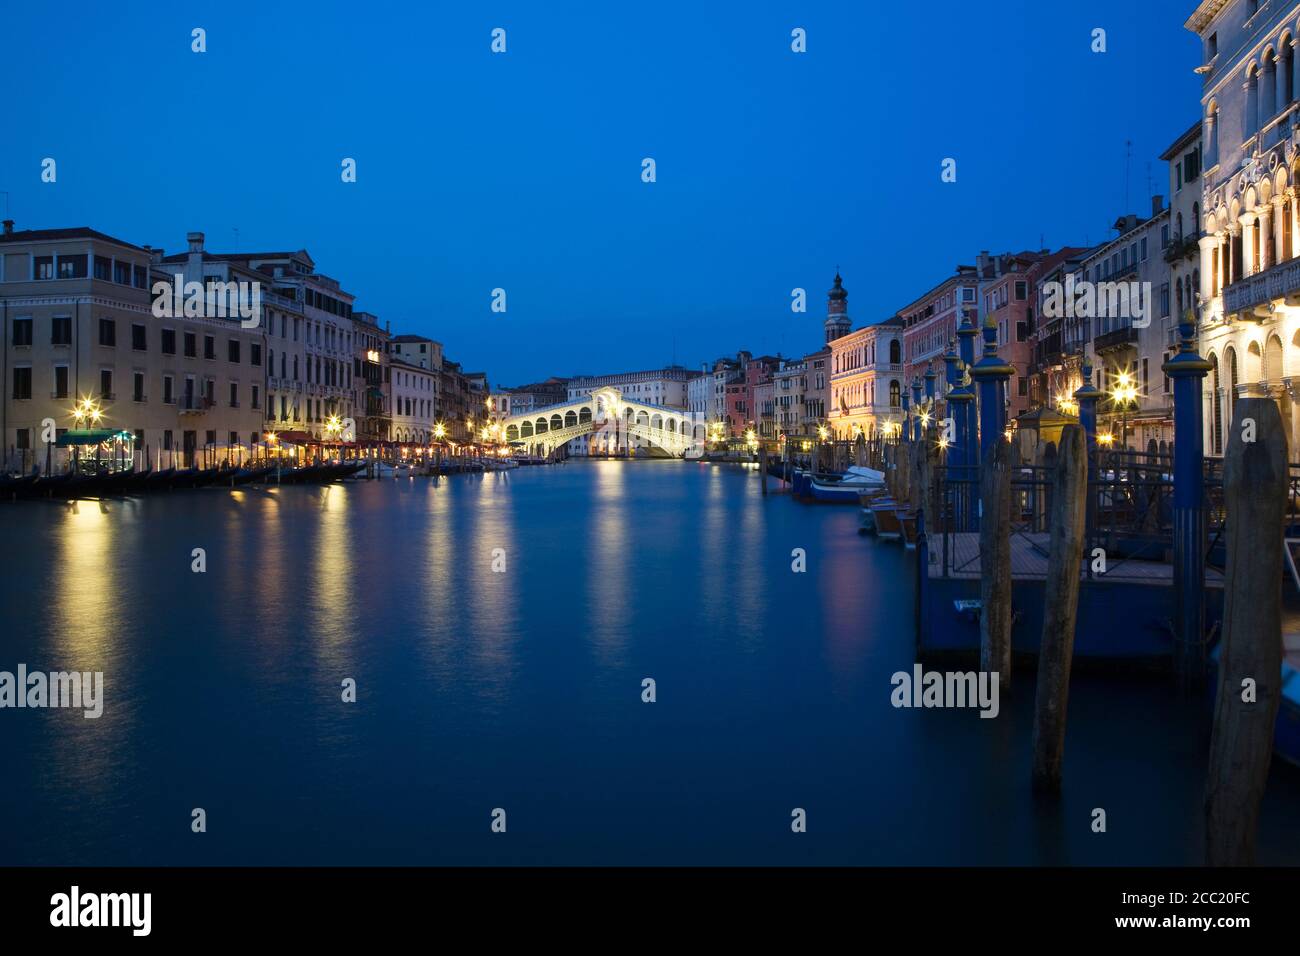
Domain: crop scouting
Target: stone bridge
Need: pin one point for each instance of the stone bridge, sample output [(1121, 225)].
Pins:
[(611, 420)]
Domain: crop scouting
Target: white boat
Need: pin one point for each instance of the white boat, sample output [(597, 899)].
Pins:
[(847, 488)]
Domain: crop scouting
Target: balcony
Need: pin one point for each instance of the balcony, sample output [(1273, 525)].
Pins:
[(1115, 339), (1254, 296), (194, 404), (1183, 247)]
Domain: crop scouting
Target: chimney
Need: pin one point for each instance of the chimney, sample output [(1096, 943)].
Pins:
[(194, 264), (1157, 205), (9, 227)]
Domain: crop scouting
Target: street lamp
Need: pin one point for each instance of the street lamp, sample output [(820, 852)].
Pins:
[(1124, 392)]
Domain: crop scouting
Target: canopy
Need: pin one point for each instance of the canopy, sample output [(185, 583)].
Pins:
[(86, 436)]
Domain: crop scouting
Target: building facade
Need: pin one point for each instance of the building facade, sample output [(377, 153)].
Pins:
[(866, 380), (1250, 237), (79, 325), (414, 402)]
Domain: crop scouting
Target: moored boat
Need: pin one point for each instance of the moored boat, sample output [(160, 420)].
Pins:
[(885, 514)]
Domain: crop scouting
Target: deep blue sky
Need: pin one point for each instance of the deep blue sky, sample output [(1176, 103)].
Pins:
[(522, 170)]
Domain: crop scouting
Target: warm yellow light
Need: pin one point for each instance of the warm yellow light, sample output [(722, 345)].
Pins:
[(925, 418), (1106, 438), (943, 443), (822, 432), (372, 356), (439, 430)]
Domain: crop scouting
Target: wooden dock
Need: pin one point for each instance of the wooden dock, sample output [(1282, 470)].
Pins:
[(1029, 561)]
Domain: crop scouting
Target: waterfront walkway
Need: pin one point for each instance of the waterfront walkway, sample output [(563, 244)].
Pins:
[(1029, 553)]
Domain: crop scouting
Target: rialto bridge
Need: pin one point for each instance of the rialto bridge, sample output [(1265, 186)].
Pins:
[(611, 423)]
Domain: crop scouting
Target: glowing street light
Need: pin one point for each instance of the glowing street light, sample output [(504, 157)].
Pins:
[(87, 410), (823, 432), (1124, 392)]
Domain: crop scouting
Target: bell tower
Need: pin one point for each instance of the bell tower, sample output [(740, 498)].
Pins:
[(837, 310)]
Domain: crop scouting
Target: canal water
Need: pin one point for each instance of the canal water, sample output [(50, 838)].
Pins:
[(521, 688)]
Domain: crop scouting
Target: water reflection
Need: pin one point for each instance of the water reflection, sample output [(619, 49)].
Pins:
[(610, 562), (91, 620)]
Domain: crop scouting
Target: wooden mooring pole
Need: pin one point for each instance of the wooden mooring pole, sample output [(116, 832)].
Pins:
[(1060, 605), (995, 563), (762, 467), (1255, 484)]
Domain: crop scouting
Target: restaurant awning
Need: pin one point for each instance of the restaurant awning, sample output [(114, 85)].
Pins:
[(86, 436)]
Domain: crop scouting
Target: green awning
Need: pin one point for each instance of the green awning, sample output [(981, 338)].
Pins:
[(86, 436)]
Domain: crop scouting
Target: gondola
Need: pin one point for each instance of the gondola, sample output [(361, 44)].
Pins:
[(138, 481), (160, 479), (17, 486)]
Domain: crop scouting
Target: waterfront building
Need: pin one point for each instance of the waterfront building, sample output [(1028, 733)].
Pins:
[(526, 398), (456, 410), (707, 392), (370, 378), (414, 404), (788, 387), (310, 341), (1250, 242), (930, 322), (866, 380), (1128, 342), (417, 350), (1008, 284), (79, 324), (762, 395), (1054, 369), (699, 391), (816, 389)]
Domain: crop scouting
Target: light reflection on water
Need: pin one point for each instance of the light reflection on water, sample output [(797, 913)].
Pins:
[(479, 688)]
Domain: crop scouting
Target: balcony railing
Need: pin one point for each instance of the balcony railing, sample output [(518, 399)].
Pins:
[(1274, 283), (1117, 338), (194, 404)]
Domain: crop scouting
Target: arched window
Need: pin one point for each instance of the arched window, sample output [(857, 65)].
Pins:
[(895, 390), (1252, 101), (1196, 219), (1286, 63), (895, 353), (1231, 356)]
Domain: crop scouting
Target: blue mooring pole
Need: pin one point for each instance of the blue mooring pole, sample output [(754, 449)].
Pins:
[(907, 419), (991, 374), (1087, 395), (1188, 369)]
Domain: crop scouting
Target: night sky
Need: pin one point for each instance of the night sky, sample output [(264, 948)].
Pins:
[(523, 170)]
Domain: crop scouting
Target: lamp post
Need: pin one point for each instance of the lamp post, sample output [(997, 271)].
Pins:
[(271, 439), (1123, 393)]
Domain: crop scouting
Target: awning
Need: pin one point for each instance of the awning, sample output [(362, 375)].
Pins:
[(86, 436)]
